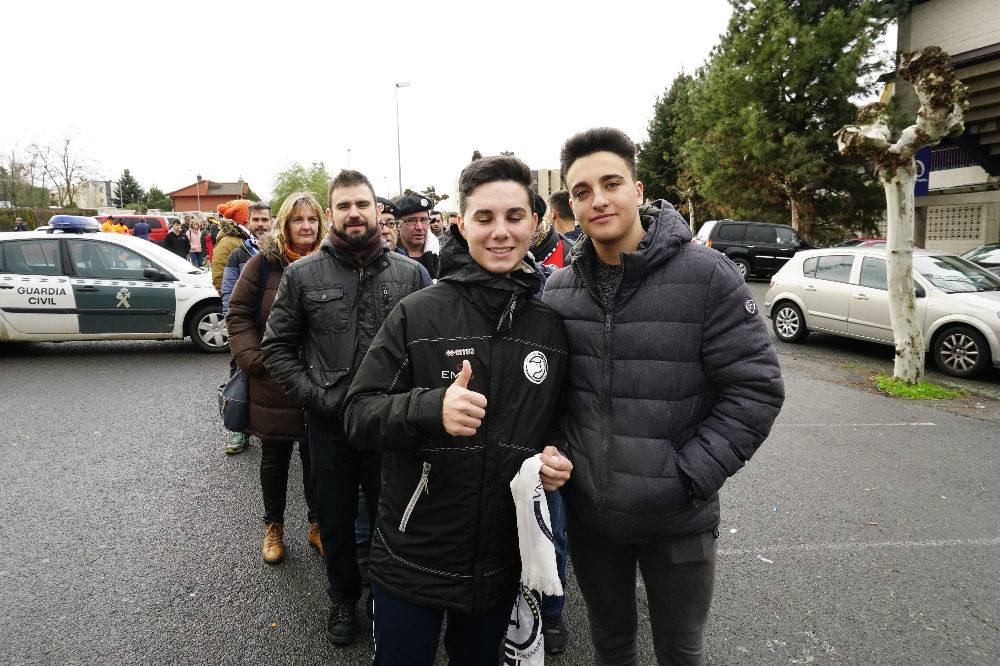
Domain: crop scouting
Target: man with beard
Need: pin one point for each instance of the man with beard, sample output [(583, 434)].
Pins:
[(415, 239), (328, 308)]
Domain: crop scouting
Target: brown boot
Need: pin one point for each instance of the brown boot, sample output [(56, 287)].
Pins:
[(314, 537), (273, 549)]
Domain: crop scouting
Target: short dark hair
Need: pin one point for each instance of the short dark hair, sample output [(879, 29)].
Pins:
[(349, 178), (559, 201), (257, 205), (597, 140), (490, 170)]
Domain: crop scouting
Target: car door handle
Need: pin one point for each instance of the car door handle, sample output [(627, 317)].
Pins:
[(861, 297), (87, 288), (810, 288)]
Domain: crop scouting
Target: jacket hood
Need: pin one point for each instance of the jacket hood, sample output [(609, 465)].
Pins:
[(229, 228), (272, 246), (666, 233), (458, 266)]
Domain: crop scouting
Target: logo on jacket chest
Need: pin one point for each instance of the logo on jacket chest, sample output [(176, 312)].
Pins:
[(536, 367)]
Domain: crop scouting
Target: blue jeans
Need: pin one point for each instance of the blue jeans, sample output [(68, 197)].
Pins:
[(196, 258), (552, 607)]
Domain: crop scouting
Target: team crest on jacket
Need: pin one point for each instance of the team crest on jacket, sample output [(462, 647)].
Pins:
[(536, 367), (750, 306)]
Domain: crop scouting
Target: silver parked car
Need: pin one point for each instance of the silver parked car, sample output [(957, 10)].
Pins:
[(842, 290)]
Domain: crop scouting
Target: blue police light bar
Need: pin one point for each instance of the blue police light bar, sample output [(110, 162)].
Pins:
[(74, 224)]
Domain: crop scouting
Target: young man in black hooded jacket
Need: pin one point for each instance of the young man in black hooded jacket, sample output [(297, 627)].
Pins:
[(461, 385), (674, 387)]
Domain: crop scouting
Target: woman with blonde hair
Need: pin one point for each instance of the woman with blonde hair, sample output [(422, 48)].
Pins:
[(275, 418)]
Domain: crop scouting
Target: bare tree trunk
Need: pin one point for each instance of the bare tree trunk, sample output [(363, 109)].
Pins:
[(691, 213), (794, 206), (907, 332), (943, 99)]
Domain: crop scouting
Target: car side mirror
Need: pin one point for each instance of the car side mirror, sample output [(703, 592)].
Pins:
[(919, 291), (156, 275)]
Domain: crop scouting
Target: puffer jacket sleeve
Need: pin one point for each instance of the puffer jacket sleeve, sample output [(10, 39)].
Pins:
[(283, 338), (383, 410), (241, 320), (742, 367), (230, 274)]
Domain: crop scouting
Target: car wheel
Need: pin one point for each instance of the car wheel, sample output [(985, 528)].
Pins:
[(788, 323), (207, 328), (743, 266), (960, 351)]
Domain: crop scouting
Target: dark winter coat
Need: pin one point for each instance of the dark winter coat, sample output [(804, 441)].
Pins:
[(446, 535), (273, 414), (238, 259), (177, 243), (326, 313), (141, 230), (670, 393)]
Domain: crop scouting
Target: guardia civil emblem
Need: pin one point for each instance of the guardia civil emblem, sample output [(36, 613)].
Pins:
[(123, 296)]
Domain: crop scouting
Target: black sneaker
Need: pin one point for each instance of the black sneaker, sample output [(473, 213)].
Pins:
[(554, 634), (342, 626)]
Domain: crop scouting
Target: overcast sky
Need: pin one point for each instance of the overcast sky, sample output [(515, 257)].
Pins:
[(230, 89)]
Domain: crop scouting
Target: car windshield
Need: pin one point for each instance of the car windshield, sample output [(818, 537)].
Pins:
[(987, 254), (169, 260), (954, 275)]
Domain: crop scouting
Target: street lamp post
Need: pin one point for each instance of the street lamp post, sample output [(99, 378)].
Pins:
[(399, 158), (197, 191)]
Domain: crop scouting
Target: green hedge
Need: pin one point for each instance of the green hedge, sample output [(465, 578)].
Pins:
[(36, 217)]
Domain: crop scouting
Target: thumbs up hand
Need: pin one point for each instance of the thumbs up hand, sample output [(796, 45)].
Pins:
[(462, 410)]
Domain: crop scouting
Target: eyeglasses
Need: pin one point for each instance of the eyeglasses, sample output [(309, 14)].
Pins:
[(387, 224), (420, 220)]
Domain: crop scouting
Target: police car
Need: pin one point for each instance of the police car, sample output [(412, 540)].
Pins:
[(72, 282)]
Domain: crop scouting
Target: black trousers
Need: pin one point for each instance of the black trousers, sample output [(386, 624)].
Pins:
[(678, 573), (337, 471), (274, 461), (407, 634)]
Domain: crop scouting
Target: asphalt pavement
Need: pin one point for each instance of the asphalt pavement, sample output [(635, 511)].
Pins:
[(864, 531)]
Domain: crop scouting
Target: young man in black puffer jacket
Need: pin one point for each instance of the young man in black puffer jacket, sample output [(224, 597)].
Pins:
[(460, 386), (674, 387)]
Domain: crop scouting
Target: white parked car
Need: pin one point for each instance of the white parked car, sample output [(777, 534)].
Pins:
[(842, 290), (70, 283)]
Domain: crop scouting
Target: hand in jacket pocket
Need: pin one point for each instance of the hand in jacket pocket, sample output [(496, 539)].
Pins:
[(462, 410)]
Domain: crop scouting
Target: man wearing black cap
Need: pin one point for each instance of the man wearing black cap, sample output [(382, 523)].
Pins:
[(387, 224), (413, 213)]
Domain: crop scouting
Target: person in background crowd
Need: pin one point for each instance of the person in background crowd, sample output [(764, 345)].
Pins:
[(108, 226), (194, 237), (561, 215), (387, 224), (121, 227), (176, 241), (275, 417), (414, 240), (329, 307), (20, 225), (437, 224), (452, 221), (674, 386), (213, 228), (547, 246), (141, 229), (232, 233), (258, 223), (446, 542)]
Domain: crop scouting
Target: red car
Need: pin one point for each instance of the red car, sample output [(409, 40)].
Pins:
[(862, 242), (159, 225)]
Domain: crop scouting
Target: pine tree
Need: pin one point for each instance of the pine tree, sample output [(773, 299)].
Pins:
[(774, 91), (127, 191)]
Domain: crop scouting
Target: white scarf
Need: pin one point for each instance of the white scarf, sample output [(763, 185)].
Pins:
[(523, 644)]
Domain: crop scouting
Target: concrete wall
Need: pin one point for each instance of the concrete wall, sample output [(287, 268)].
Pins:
[(956, 26), (961, 210)]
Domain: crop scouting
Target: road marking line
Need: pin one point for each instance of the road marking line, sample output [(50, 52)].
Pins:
[(822, 547), (855, 425)]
